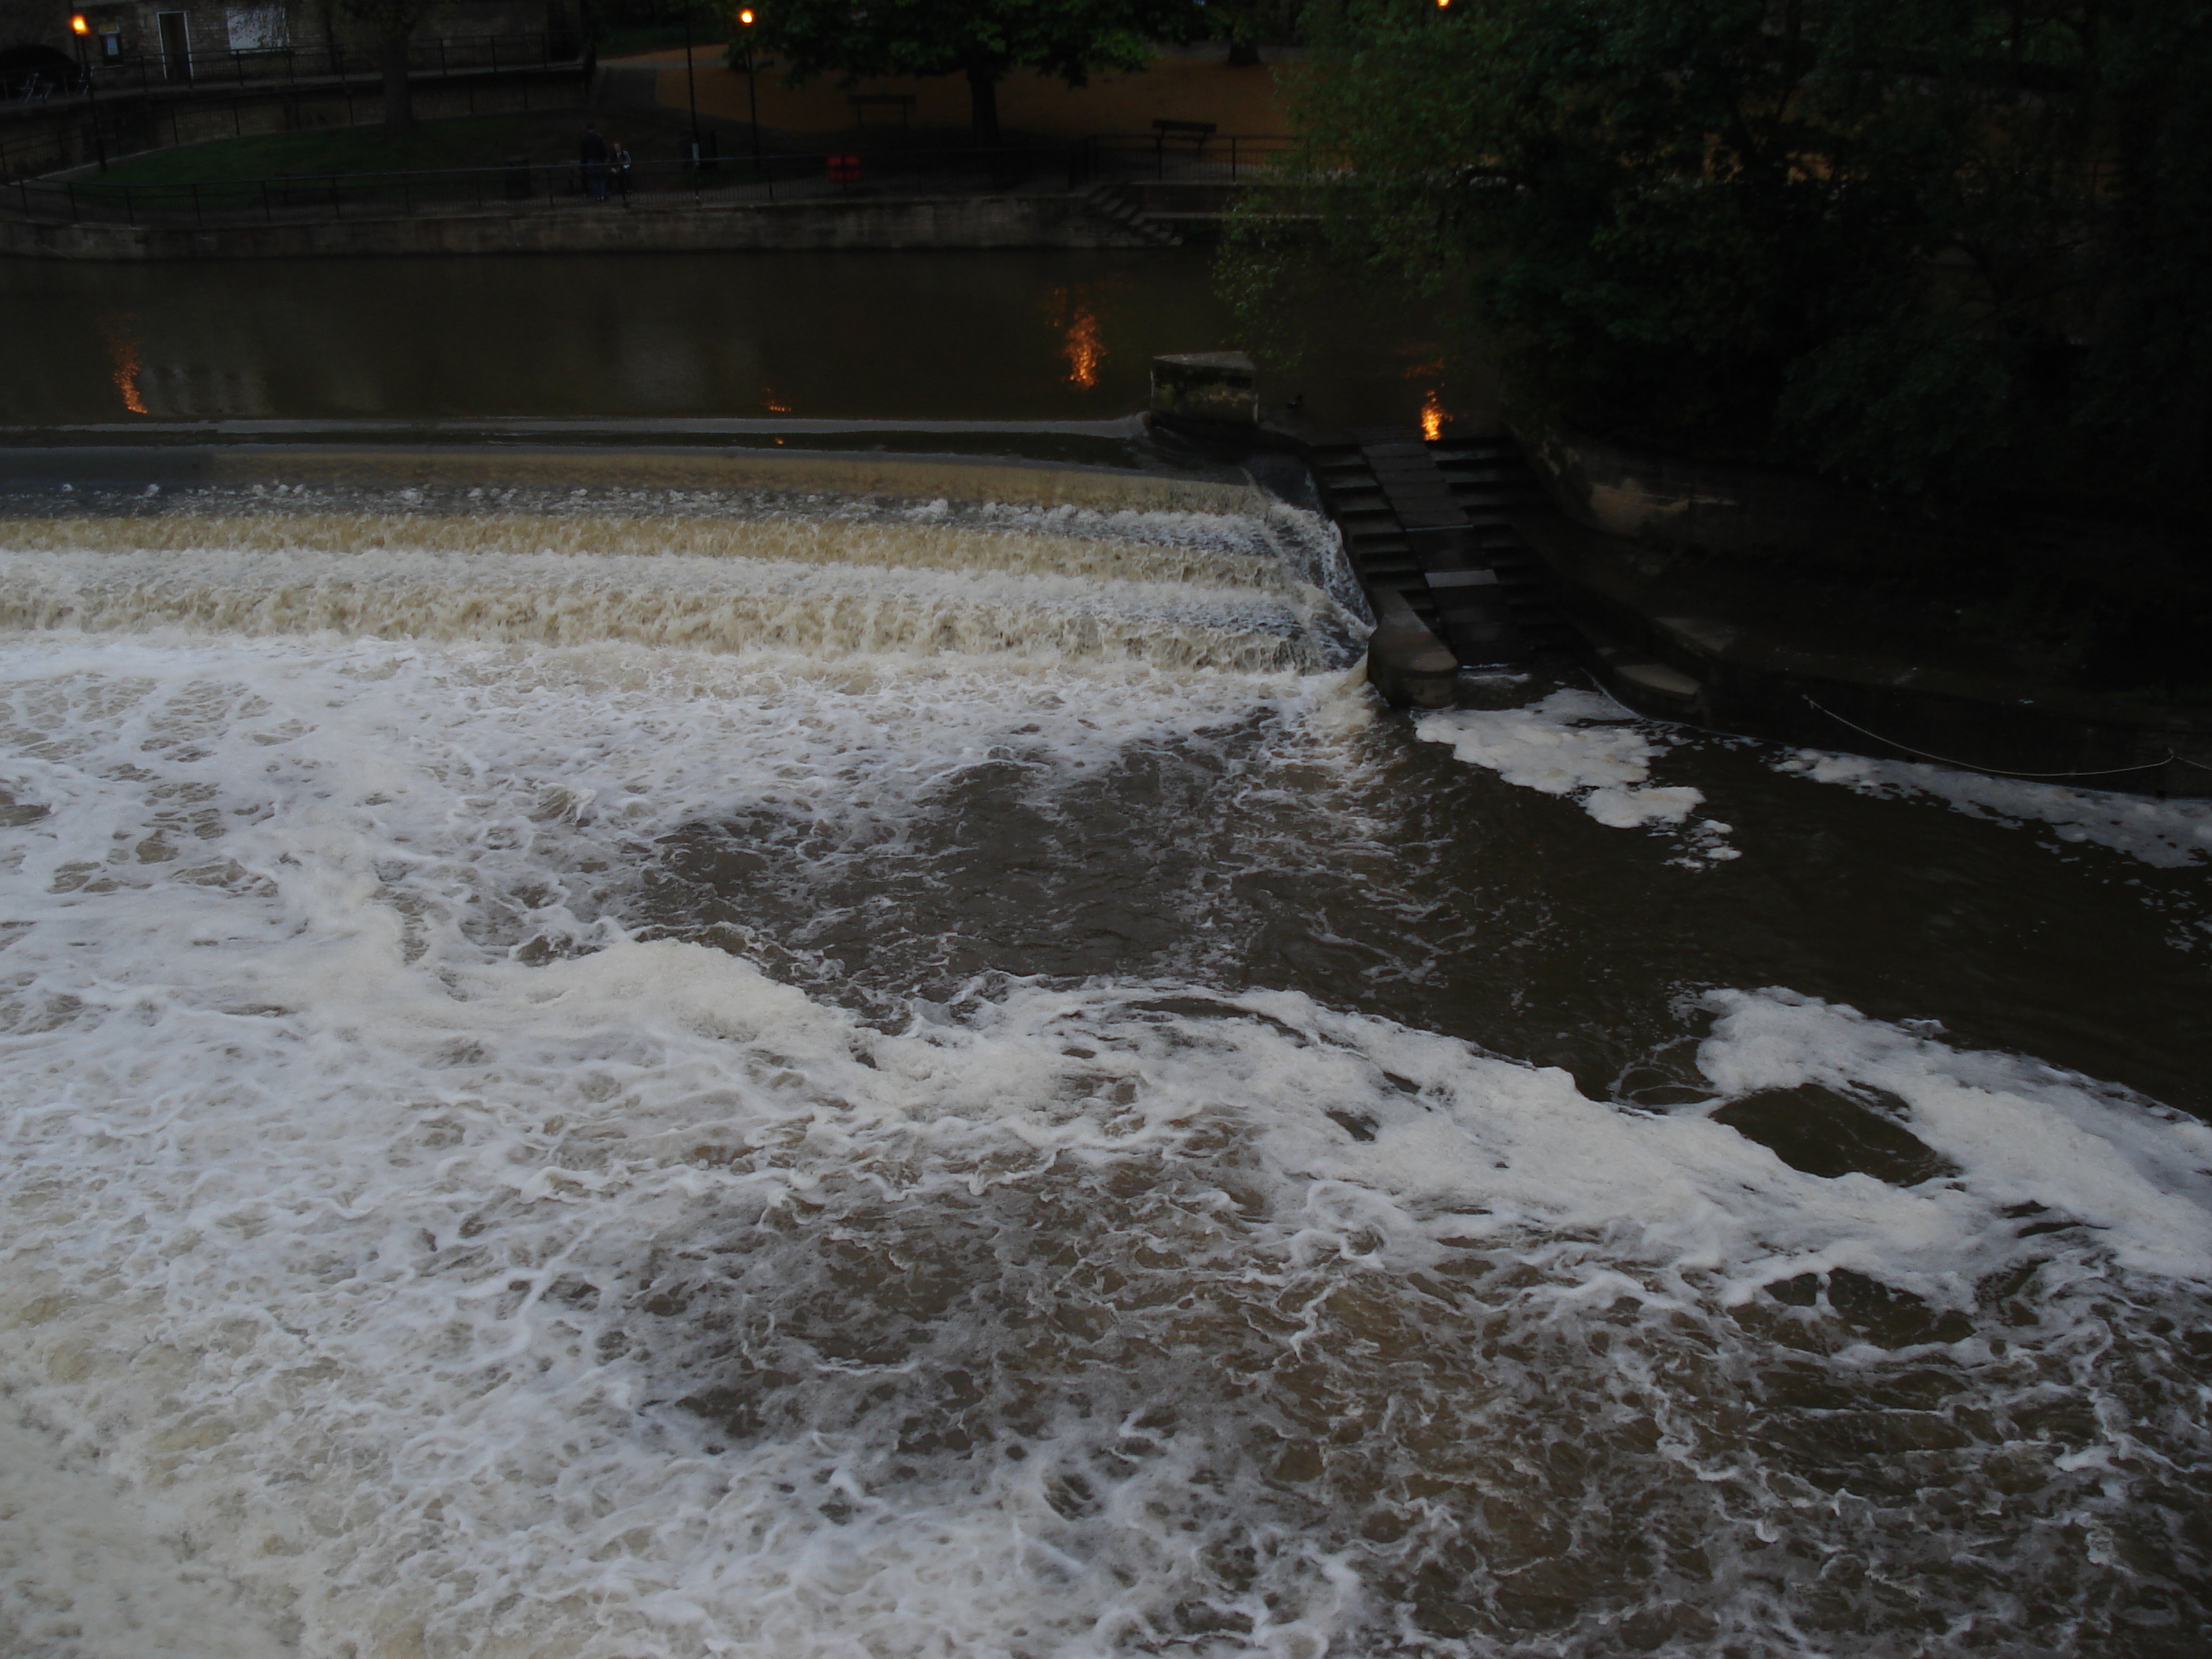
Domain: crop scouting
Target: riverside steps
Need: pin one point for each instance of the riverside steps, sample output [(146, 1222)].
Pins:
[(1423, 521), (1493, 571), (1426, 528), (1472, 559), (1427, 517)]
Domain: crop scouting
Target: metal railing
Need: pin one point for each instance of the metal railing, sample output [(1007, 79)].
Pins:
[(533, 186), (1211, 158), (289, 65), (37, 86)]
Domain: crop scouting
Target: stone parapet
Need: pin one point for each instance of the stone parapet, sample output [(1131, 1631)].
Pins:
[(947, 221)]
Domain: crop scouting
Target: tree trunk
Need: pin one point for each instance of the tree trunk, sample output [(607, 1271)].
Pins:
[(983, 102), (398, 91)]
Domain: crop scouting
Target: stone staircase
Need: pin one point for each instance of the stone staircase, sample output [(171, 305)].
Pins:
[(1112, 203), (1427, 521)]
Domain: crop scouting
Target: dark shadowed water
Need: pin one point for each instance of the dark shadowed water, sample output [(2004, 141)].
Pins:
[(877, 336)]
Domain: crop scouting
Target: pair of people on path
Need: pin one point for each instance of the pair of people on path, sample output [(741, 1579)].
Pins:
[(601, 157)]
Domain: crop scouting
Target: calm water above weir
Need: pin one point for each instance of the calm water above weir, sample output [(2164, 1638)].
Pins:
[(935, 336), (626, 1074)]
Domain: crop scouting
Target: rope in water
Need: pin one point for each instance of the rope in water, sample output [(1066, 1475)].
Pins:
[(1988, 771), (2003, 771)]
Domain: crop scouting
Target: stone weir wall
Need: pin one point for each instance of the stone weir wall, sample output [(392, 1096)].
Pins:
[(951, 222)]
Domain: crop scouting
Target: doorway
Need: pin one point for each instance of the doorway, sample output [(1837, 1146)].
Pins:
[(176, 47)]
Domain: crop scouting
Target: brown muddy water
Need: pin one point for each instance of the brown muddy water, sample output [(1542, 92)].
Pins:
[(760, 1074), (934, 336)]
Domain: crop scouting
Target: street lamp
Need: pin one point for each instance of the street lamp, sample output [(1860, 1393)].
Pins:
[(80, 30), (691, 89), (752, 85)]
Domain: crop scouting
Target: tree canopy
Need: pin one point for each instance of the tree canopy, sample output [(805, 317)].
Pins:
[(1936, 246), (982, 39)]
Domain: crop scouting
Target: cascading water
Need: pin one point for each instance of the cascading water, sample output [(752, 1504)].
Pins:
[(779, 1077)]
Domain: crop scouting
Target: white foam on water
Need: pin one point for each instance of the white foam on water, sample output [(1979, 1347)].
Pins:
[(719, 604), (1580, 744), (2166, 834), (93, 1567), (405, 1257)]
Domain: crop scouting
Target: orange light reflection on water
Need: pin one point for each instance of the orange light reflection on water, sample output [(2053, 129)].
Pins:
[(1084, 348), (124, 351), (1433, 416), (1083, 342)]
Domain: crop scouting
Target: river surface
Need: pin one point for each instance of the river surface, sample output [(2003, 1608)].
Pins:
[(932, 336), (627, 1074)]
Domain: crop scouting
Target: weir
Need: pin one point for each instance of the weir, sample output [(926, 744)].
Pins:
[(707, 1053), (1180, 575)]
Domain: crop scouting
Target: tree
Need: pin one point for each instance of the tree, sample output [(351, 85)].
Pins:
[(1945, 248), (982, 39), (1246, 24), (394, 22)]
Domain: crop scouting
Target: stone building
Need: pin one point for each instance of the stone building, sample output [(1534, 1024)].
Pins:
[(194, 38)]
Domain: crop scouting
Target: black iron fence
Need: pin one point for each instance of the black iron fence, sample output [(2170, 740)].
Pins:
[(206, 66), (1190, 156)]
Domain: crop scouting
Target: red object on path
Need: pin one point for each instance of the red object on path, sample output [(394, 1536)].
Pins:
[(845, 169)]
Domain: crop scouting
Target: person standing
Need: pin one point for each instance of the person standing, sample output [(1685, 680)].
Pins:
[(594, 154), (620, 160)]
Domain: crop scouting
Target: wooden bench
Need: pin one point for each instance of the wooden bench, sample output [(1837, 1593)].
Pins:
[(901, 102), (1193, 133)]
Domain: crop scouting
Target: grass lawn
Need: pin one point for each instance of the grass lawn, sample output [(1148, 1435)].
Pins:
[(480, 141)]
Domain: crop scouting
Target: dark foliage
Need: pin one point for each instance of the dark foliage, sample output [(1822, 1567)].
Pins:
[(981, 40), (1950, 249)]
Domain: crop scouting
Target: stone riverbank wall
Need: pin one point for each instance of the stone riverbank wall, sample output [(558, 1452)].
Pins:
[(949, 221)]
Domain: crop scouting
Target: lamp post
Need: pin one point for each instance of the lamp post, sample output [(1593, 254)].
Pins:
[(691, 88), (80, 28), (752, 85)]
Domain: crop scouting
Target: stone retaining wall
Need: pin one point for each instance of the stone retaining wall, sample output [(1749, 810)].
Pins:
[(955, 222), (1669, 500), (1792, 680)]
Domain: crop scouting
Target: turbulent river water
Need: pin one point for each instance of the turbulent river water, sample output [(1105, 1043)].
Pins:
[(630, 1074)]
